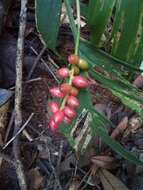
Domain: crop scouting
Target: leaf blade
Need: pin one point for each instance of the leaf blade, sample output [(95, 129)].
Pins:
[(48, 20), (114, 145)]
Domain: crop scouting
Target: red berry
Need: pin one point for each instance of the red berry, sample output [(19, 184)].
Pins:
[(66, 88), (55, 92), (58, 117), (73, 102), (69, 112), (67, 120), (54, 106), (80, 82), (53, 125), (73, 59), (63, 73), (74, 91)]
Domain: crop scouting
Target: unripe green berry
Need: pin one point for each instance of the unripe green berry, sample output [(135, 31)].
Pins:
[(76, 70), (82, 64)]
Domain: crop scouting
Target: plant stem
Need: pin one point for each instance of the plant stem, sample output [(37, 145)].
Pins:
[(76, 50), (78, 27)]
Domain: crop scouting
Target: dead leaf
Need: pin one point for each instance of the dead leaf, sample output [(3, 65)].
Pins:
[(118, 131), (135, 123), (35, 179), (5, 96), (75, 184), (66, 163), (110, 182), (106, 162), (138, 82)]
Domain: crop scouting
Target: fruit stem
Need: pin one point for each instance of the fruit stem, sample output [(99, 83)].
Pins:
[(78, 27), (76, 51), (70, 83)]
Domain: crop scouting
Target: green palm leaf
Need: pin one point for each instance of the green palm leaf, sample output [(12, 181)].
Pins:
[(126, 23)]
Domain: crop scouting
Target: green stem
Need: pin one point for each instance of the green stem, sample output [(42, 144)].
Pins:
[(78, 27), (77, 42)]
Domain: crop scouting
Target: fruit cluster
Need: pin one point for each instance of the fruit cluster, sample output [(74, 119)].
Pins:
[(68, 91)]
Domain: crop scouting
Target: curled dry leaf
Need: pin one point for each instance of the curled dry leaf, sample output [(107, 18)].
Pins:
[(138, 82), (106, 162), (110, 182), (119, 130)]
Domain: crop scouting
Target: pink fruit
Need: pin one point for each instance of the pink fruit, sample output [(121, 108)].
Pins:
[(67, 120), (69, 112), (74, 91), (73, 59), (73, 102), (65, 88), (63, 73), (55, 92), (53, 125), (80, 82), (54, 106), (58, 117)]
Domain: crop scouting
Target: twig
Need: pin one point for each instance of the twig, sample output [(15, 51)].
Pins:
[(28, 81), (54, 171), (9, 126), (36, 62), (59, 161), (18, 132), (53, 62), (18, 95), (42, 60), (60, 154)]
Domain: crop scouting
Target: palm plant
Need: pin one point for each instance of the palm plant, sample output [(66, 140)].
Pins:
[(115, 45)]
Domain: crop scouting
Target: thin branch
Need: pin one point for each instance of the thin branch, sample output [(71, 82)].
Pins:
[(49, 69), (28, 82), (18, 132), (78, 27), (18, 95), (36, 62)]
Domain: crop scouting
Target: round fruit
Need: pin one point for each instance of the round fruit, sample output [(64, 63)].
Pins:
[(76, 70), (73, 59), (55, 92), (54, 106), (53, 126), (73, 102), (67, 120), (63, 73), (74, 91), (58, 117), (66, 88), (80, 82), (69, 112), (82, 64)]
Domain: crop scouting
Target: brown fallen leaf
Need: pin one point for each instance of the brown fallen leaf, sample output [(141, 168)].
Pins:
[(118, 131), (74, 184), (35, 179), (106, 162), (138, 82), (5, 96), (110, 182)]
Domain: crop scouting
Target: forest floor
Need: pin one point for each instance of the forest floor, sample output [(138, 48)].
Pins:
[(49, 162)]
